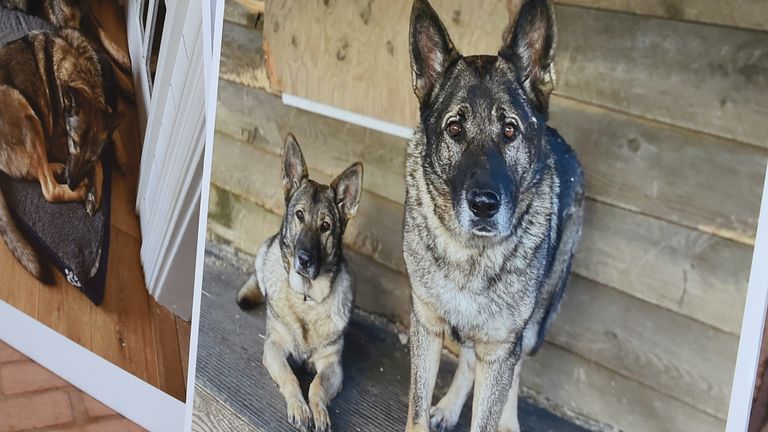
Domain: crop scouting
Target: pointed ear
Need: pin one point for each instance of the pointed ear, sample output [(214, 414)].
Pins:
[(431, 49), (113, 120), (294, 167), (348, 186), (529, 44)]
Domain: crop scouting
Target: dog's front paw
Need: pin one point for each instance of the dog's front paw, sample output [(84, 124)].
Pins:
[(321, 417), (442, 419), (299, 414), (91, 203)]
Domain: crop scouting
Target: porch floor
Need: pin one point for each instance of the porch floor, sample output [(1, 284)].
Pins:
[(234, 389)]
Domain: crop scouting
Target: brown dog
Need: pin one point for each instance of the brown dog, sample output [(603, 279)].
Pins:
[(53, 124)]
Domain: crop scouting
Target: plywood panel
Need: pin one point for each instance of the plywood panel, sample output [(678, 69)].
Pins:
[(166, 345), (354, 55)]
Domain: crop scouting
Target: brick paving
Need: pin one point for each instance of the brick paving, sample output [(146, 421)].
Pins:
[(32, 399)]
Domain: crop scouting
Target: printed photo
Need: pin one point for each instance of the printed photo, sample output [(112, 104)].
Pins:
[(491, 215), (101, 173)]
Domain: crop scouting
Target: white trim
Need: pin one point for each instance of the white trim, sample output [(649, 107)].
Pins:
[(347, 116), (751, 327), (135, 399), (211, 60)]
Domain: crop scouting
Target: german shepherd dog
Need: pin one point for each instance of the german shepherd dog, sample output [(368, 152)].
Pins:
[(308, 287), (493, 213), (53, 124)]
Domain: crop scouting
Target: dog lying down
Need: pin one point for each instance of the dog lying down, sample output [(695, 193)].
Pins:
[(73, 241), (308, 287)]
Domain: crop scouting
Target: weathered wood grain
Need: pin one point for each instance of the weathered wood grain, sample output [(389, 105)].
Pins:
[(686, 270), (183, 332), (690, 179), (749, 14), (212, 415), (236, 13), (669, 352), (242, 56), (613, 329), (574, 384), (354, 56)]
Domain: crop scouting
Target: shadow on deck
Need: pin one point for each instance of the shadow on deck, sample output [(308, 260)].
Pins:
[(374, 393)]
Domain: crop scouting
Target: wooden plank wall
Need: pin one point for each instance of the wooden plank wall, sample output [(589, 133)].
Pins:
[(666, 111)]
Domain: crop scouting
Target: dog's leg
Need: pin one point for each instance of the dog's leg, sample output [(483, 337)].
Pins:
[(95, 185), (275, 361), (425, 345), (508, 422), (445, 414), (493, 379), (325, 386), (52, 190)]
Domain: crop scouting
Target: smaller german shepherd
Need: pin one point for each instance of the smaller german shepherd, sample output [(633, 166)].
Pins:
[(53, 124), (308, 287)]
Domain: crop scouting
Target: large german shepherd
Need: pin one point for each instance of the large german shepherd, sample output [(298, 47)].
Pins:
[(493, 213), (308, 287), (54, 123)]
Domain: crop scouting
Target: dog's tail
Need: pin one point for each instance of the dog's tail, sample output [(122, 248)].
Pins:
[(18, 245), (250, 295)]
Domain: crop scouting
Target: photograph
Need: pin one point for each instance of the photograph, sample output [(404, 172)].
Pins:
[(491, 215), (101, 161)]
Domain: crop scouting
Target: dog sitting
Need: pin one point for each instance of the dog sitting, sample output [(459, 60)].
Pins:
[(493, 213), (308, 287)]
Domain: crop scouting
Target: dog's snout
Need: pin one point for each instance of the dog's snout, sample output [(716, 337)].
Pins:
[(483, 203), (305, 258)]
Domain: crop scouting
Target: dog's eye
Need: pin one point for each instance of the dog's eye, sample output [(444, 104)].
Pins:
[(454, 128), (509, 130), (300, 215), (325, 226)]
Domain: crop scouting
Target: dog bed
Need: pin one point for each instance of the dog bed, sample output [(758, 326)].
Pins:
[(75, 243)]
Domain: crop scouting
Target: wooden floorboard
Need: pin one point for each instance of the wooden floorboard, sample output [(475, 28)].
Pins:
[(121, 329), (374, 393)]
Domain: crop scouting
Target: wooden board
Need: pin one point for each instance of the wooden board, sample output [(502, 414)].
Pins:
[(354, 55), (685, 270), (617, 331), (692, 180), (183, 332), (236, 13), (212, 415), (242, 56), (745, 13), (170, 372)]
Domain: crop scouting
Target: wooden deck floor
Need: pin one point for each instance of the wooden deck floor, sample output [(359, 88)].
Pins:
[(236, 390), (129, 328)]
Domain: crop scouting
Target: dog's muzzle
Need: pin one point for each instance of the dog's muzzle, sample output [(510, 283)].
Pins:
[(306, 264)]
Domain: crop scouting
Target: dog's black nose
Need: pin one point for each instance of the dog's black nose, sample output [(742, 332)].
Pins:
[(305, 259), (483, 203)]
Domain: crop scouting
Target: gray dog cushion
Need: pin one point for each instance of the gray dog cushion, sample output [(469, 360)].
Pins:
[(15, 24)]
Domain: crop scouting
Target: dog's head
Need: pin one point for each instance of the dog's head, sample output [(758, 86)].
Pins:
[(89, 128), (483, 117), (316, 215)]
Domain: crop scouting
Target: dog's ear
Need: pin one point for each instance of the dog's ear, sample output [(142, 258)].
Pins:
[(348, 187), (431, 49), (294, 167), (529, 44)]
